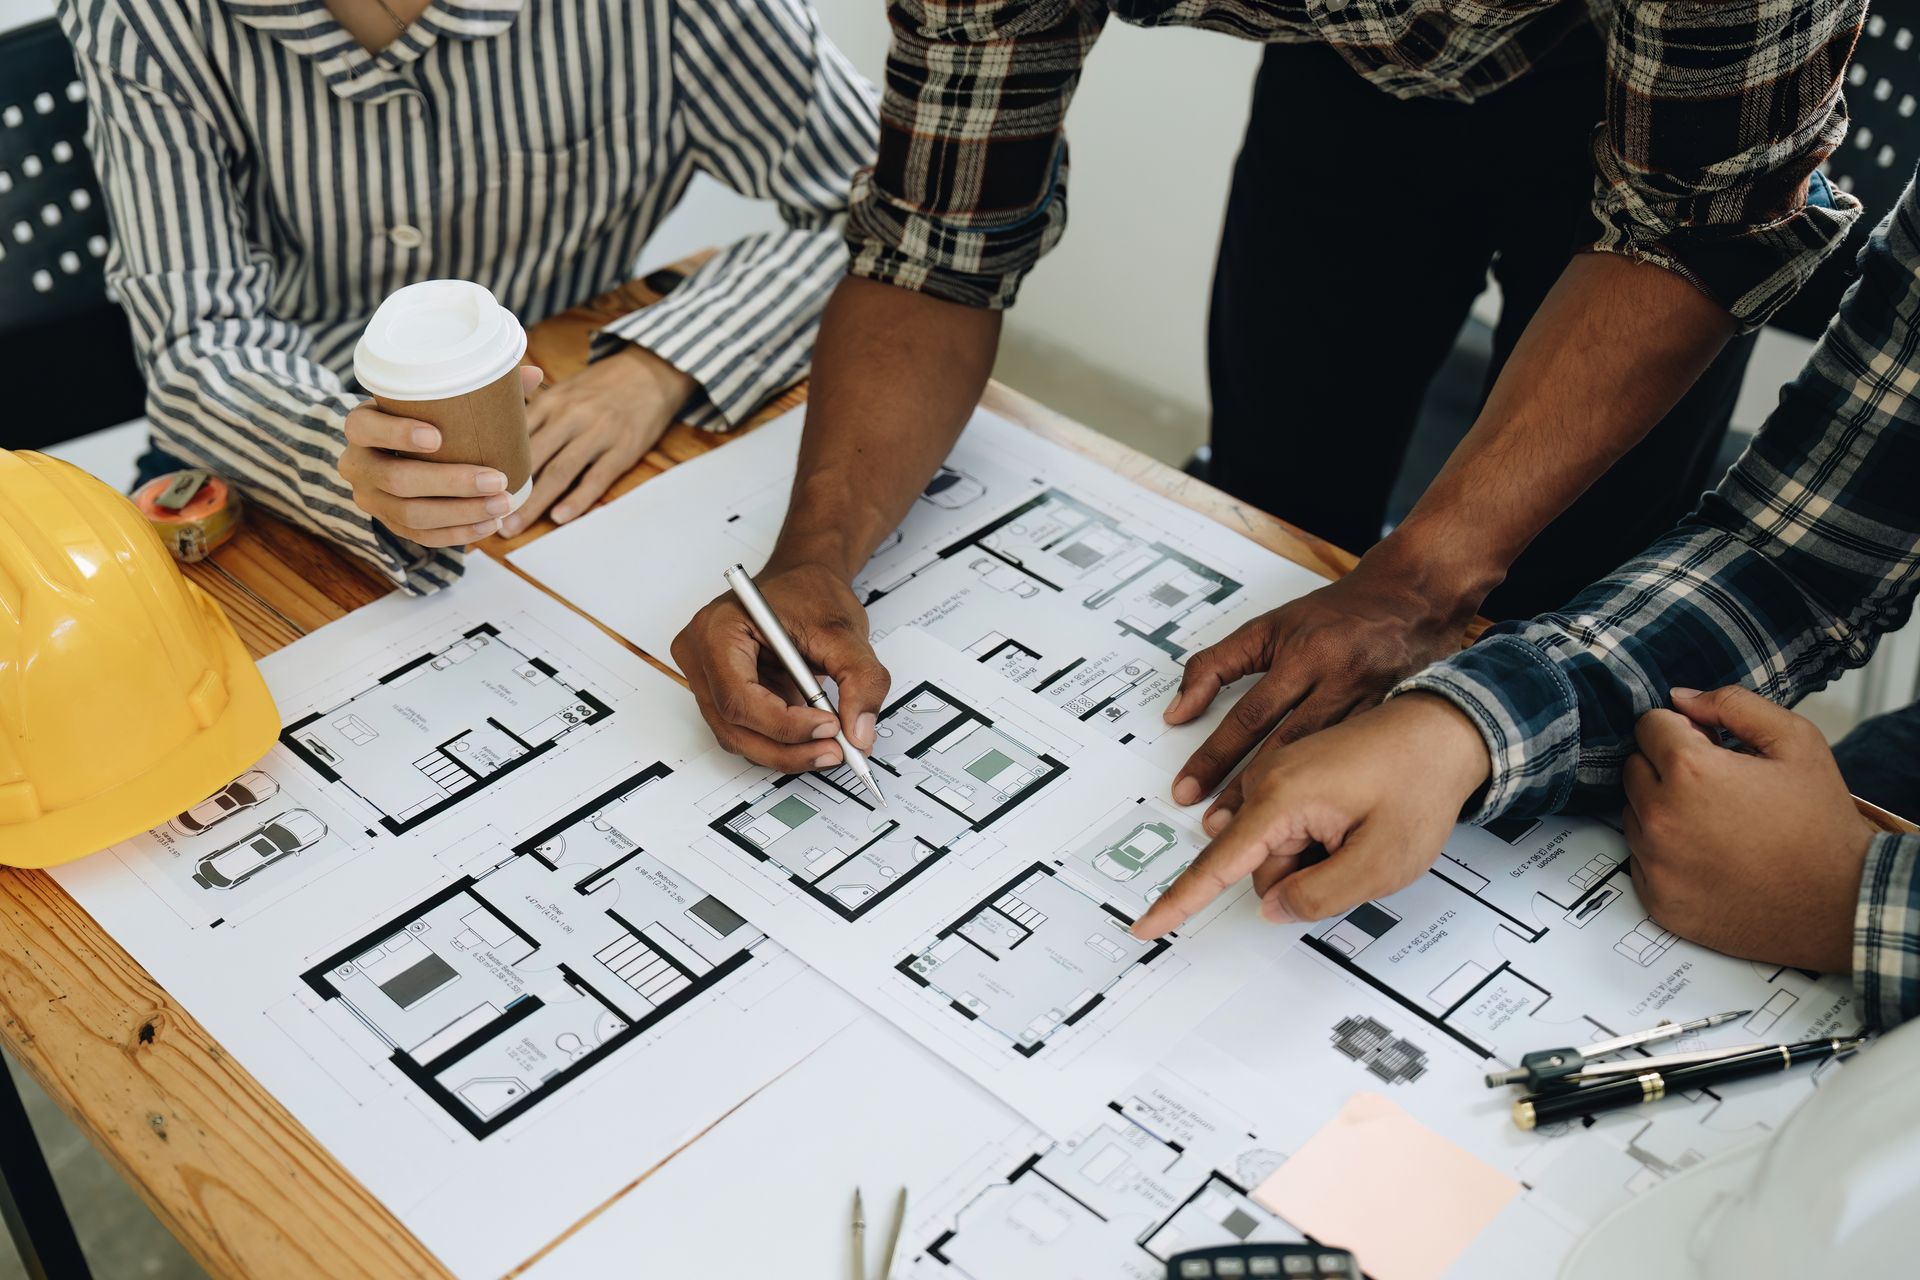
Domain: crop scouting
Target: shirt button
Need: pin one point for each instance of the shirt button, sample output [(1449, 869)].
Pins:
[(406, 237)]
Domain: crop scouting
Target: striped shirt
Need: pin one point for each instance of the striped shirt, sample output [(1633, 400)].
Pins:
[(270, 181), (1787, 575), (1714, 115)]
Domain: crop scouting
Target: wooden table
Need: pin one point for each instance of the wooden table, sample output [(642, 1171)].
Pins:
[(245, 1188)]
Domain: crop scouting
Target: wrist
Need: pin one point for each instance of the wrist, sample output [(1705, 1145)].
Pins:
[(1437, 576), (655, 378), (1449, 740)]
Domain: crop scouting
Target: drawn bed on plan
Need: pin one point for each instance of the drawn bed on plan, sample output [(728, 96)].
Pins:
[(1034, 956), (947, 770), (502, 987), (437, 729)]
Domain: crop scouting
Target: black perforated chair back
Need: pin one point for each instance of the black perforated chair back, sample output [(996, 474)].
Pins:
[(66, 356), (1878, 156)]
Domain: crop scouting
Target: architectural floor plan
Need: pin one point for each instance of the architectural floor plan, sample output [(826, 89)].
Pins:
[(1047, 569), (1035, 955), (1530, 931), (472, 1004), (987, 908), (501, 927), (948, 772), (499, 989), (441, 726)]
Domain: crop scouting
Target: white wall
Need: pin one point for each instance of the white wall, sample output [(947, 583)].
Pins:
[(16, 13)]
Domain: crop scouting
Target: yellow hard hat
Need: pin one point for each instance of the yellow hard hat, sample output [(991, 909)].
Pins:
[(125, 695)]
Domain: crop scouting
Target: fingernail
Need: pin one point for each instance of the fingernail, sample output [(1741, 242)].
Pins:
[(825, 762), (1273, 912), (1216, 822), (490, 482), (1186, 791), (1682, 694), (511, 525), (562, 514), (500, 505), (864, 727), (427, 440), (825, 729), (1173, 707), (485, 529)]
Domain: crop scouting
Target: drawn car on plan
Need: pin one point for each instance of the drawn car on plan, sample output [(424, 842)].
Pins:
[(249, 789), (1128, 856), (1152, 895), (280, 837), (952, 489)]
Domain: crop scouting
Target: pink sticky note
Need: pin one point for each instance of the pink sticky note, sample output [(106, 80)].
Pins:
[(1375, 1180)]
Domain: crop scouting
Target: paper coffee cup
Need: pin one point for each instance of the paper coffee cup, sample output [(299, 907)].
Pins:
[(446, 352)]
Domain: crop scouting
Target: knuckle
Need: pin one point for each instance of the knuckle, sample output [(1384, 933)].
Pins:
[(1252, 713), (1305, 901), (729, 705)]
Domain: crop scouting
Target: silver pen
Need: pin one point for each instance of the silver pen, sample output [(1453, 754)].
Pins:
[(797, 666)]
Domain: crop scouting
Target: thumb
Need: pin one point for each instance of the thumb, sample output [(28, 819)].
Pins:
[(863, 683), (1762, 725)]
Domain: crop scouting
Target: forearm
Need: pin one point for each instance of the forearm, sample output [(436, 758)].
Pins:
[(1613, 347), (896, 374)]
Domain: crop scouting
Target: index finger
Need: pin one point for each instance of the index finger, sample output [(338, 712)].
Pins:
[(1260, 832), (371, 427)]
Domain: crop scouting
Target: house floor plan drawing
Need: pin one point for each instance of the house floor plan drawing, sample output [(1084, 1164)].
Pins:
[(1533, 933), (986, 910), (500, 988), (949, 772), (476, 1005), (1040, 565), (1119, 1200), (1076, 949), (442, 725)]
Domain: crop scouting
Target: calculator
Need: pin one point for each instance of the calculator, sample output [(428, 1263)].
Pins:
[(1247, 1261)]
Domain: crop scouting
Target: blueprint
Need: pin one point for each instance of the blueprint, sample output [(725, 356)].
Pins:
[(1413, 998), (1175, 1157), (1039, 565), (986, 909), (426, 922)]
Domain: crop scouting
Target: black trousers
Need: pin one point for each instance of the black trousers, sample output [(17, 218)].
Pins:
[(1345, 274)]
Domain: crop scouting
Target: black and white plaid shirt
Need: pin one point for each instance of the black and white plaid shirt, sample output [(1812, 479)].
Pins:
[(1787, 575), (1715, 114)]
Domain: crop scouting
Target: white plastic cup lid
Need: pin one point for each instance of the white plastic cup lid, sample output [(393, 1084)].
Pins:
[(437, 339)]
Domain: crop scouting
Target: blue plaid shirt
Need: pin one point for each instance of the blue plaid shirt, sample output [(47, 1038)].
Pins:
[(1785, 576)]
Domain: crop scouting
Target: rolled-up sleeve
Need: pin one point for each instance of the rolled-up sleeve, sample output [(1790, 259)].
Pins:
[(1886, 931), (770, 107), (1716, 115), (1788, 574), (969, 189)]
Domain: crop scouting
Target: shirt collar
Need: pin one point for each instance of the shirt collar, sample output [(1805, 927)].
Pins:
[(308, 30)]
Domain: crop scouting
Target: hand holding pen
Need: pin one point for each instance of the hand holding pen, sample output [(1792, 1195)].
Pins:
[(773, 634), (745, 694)]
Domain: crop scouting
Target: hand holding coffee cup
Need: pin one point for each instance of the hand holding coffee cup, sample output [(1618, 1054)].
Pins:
[(442, 454)]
